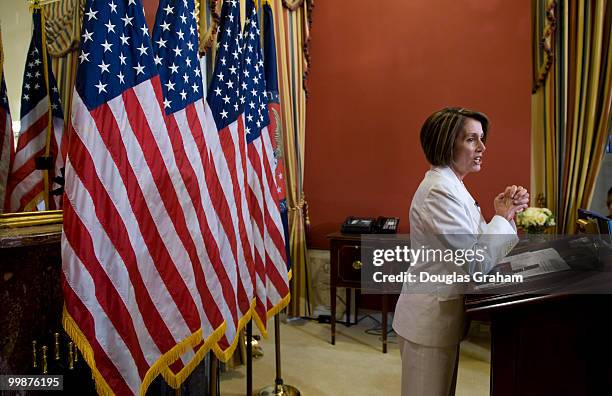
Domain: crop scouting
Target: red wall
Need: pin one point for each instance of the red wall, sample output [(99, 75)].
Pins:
[(378, 71), (150, 7)]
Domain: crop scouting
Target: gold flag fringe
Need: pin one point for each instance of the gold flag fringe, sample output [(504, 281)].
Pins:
[(225, 355), (271, 312), (162, 365), (80, 341)]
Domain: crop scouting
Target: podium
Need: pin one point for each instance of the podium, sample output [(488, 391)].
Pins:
[(548, 345), (550, 339)]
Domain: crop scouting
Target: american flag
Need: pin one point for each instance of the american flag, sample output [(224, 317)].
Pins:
[(272, 136), (270, 261), (275, 126), (140, 280), (27, 184), (7, 144), (175, 45), (224, 128)]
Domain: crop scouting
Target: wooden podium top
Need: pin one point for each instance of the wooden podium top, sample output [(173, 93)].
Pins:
[(590, 273)]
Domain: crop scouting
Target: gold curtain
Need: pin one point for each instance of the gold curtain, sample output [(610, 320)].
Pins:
[(208, 16), (571, 102), (62, 28), (291, 29)]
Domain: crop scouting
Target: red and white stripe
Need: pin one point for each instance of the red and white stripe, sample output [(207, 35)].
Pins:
[(226, 151), (257, 209), (25, 183), (139, 249), (277, 285), (270, 260), (58, 151)]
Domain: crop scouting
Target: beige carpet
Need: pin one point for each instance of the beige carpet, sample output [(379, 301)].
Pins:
[(354, 366)]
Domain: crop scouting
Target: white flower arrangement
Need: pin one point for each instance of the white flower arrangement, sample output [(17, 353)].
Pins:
[(535, 220)]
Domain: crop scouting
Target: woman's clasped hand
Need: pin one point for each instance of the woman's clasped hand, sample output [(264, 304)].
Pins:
[(513, 200)]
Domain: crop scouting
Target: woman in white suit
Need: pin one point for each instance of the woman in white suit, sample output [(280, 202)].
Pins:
[(444, 215)]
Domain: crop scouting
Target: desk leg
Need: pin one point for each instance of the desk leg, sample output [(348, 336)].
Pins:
[(384, 323), (333, 314), (357, 295), (348, 306)]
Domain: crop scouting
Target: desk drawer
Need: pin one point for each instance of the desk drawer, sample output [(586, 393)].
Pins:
[(349, 264)]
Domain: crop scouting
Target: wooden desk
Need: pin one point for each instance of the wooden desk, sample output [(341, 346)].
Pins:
[(345, 272)]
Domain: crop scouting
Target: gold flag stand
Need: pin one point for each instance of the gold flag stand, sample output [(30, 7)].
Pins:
[(279, 388)]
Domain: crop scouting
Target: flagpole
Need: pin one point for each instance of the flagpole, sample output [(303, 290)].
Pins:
[(1, 61), (213, 375), (249, 353), (279, 388), (37, 6)]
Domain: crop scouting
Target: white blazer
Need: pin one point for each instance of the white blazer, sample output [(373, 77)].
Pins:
[(443, 215)]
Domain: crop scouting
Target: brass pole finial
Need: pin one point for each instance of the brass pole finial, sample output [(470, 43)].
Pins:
[(44, 359), (70, 356), (57, 346), (34, 359)]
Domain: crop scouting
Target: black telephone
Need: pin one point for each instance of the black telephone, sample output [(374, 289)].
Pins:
[(369, 225), (386, 225)]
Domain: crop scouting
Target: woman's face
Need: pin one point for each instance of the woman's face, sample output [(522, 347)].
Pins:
[(469, 147)]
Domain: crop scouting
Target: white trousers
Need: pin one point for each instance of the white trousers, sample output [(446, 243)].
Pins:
[(428, 371)]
